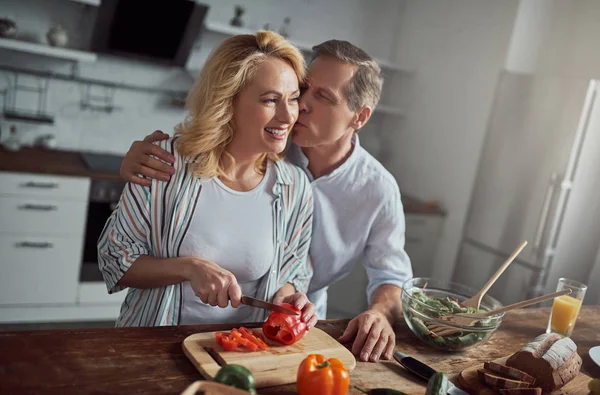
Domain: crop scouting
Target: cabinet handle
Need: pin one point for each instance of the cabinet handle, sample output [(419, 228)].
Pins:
[(43, 185), (38, 207), (413, 240), (29, 244)]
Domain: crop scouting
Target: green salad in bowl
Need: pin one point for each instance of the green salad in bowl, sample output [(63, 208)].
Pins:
[(425, 300)]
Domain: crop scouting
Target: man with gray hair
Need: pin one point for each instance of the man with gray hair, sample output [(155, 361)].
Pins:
[(358, 213)]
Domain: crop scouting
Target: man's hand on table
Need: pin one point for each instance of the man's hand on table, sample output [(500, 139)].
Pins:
[(373, 335)]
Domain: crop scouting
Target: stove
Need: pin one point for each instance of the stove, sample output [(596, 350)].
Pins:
[(105, 163)]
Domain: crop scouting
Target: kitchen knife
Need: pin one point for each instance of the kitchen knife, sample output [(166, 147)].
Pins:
[(423, 371), (248, 301)]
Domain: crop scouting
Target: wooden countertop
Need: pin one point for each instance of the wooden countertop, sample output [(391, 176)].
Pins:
[(38, 160), (150, 360), (70, 163)]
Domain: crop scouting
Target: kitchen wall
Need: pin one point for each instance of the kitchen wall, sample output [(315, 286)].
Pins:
[(560, 41), (137, 114), (457, 48)]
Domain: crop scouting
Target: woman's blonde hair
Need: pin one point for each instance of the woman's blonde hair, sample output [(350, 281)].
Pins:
[(208, 128)]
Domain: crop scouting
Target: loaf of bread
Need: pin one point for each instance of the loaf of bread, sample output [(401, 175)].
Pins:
[(551, 359)]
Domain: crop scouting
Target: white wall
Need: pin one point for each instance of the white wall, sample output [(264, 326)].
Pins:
[(567, 50), (456, 48), (140, 113)]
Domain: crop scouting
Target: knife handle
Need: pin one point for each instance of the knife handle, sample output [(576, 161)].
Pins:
[(417, 367)]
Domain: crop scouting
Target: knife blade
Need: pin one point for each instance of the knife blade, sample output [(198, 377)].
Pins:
[(424, 371), (261, 304)]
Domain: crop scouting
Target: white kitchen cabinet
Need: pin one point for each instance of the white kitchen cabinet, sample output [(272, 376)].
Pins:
[(422, 236), (348, 297), (39, 269), (42, 228), (47, 186), (41, 215)]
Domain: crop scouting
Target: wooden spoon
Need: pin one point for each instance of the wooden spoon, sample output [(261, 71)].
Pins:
[(466, 319), (475, 300)]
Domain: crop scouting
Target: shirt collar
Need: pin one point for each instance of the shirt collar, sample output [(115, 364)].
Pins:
[(299, 159)]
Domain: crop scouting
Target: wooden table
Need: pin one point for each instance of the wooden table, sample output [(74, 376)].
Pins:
[(150, 360)]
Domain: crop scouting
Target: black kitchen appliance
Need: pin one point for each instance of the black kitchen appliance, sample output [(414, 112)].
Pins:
[(160, 31)]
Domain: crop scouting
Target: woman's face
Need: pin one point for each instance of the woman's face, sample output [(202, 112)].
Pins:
[(266, 110)]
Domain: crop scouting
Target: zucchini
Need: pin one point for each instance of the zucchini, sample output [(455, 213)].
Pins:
[(437, 385)]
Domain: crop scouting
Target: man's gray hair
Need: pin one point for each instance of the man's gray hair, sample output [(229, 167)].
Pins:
[(365, 86)]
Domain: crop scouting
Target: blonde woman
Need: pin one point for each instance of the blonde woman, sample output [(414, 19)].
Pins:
[(234, 219)]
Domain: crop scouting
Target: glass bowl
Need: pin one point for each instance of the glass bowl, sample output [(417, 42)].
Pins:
[(420, 312)]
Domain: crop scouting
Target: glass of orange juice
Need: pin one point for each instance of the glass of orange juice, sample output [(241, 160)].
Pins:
[(565, 308)]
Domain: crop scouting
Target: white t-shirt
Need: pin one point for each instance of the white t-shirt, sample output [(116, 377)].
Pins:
[(235, 231)]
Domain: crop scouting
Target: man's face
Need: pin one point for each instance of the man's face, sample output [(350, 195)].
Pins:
[(324, 113)]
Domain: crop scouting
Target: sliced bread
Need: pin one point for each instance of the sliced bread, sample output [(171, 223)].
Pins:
[(498, 382), (551, 359), (507, 371)]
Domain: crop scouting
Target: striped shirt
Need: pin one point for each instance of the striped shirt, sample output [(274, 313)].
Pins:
[(154, 220)]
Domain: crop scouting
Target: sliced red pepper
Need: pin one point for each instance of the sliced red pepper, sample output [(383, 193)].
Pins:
[(226, 341), (237, 336), (284, 328), (254, 336)]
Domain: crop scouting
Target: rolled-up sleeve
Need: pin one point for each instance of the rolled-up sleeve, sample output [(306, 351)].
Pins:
[(125, 235), (386, 261)]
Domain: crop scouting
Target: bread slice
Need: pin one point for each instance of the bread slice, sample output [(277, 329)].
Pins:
[(497, 382), (551, 359), (522, 391), (507, 371)]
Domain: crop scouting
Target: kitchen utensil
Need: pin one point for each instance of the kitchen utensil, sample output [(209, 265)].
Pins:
[(211, 388), (8, 28), (475, 300), (277, 365), (469, 380), (261, 304), (466, 320), (595, 354), (422, 370), (57, 36), (419, 314)]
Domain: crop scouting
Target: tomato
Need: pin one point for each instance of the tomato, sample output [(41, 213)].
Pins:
[(226, 341), (318, 375), (254, 336), (284, 328)]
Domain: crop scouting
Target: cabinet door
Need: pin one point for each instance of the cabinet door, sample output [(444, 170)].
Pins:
[(348, 297), (422, 237), (40, 215), (38, 269), (26, 184)]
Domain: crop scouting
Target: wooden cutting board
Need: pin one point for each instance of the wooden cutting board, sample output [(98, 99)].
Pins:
[(276, 366), (470, 382)]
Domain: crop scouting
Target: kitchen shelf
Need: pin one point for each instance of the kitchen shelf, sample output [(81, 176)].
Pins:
[(29, 117), (224, 28), (95, 3), (92, 81), (47, 50)]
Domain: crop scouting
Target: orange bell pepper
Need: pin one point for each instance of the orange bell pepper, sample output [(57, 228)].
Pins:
[(317, 375)]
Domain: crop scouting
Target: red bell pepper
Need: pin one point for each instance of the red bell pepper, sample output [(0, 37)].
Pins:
[(284, 328), (226, 341), (254, 336)]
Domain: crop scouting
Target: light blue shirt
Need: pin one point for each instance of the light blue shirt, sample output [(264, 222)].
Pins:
[(358, 217)]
